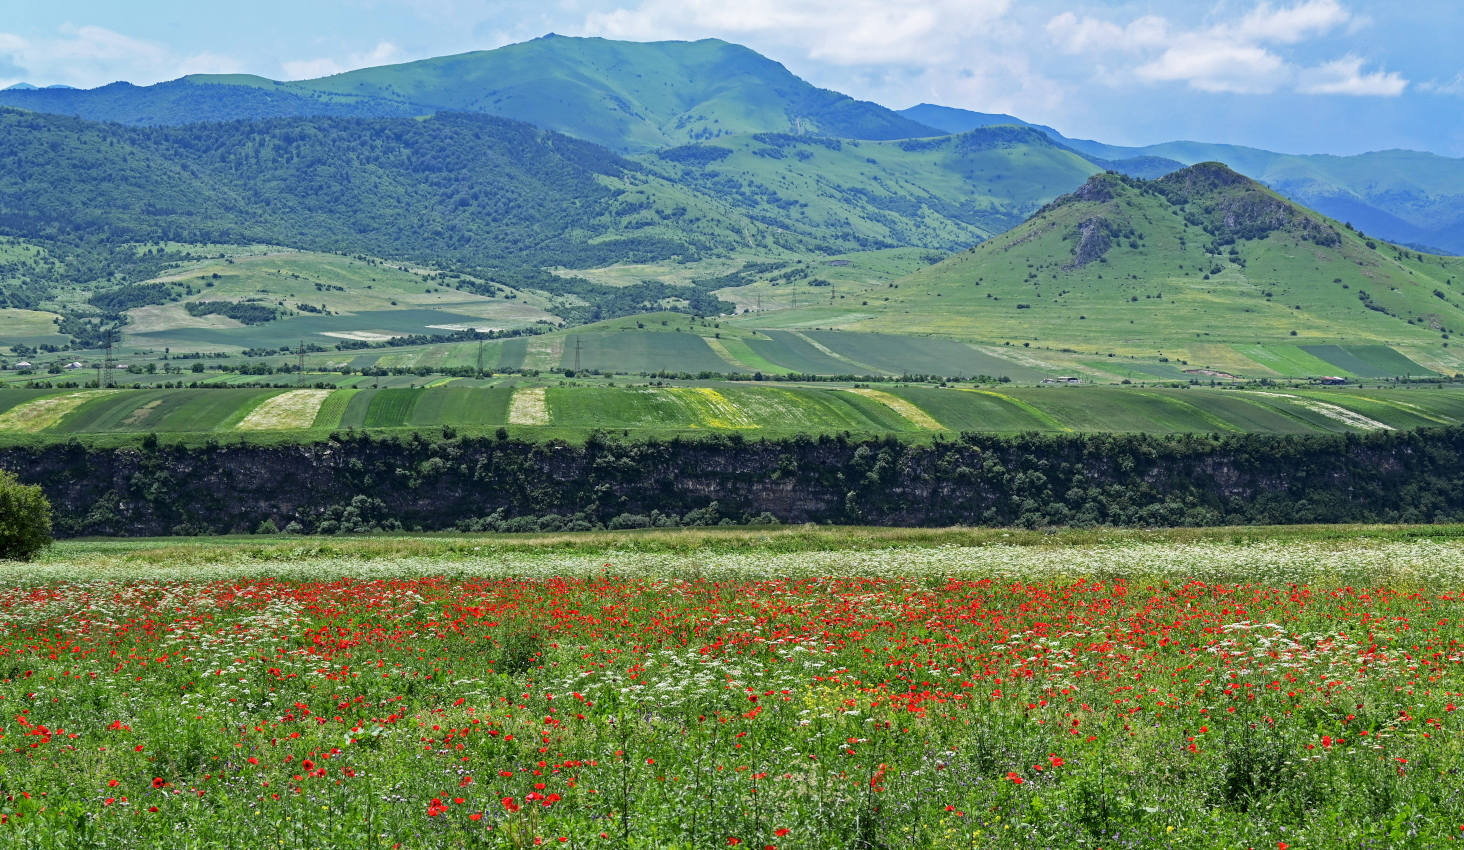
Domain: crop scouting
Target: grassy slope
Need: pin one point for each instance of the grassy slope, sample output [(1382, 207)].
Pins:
[(946, 192), (1158, 291)]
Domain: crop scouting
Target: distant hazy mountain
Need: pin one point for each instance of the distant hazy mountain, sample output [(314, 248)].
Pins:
[(1407, 197), (624, 95)]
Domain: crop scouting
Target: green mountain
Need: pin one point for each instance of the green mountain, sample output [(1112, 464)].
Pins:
[(945, 192), (1203, 265), (1408, 197), (624, 95)]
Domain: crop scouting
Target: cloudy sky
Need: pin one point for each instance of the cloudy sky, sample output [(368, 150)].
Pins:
[(1315, 76)]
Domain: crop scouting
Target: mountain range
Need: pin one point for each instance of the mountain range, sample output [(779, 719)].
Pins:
[(640, 97)]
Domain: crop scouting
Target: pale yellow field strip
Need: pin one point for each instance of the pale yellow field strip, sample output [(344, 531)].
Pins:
[(43, 413), (528, 407), (914, 415), (544, 353), (711, 408), (1332, 411), (292, 409), (727, 357)]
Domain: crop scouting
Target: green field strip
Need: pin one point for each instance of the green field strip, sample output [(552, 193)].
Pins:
[(1310, 412), (748, 360), (916, 355), (354, 415), (1140, 371), (331, 411), (1191, 412), (511, 353), (164, 410), (806, 409), (1367, 361), (1111, 409), (1244, 413), (884, 417), (1444, 405), (963, 410), (208, 410), (857, 365), (797, 355), (1396, 414), (391, 408), (462, 406), (707, 407), (128, 411), (13, 397), (49, 410), (1047, 421), (1290, 360), (1389, 359), (902, 407), (642, 351)]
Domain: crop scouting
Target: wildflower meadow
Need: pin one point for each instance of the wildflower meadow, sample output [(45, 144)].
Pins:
[(1108, 692)]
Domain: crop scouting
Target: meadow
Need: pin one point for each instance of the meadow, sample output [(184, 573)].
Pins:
[(789, 688)]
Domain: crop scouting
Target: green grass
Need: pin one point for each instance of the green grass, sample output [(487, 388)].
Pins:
[(1367, 361), (536, 658), (482, 406), (391, 408), (331, 411)]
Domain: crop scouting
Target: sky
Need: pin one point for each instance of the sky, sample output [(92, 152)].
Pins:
[(1301, 76)]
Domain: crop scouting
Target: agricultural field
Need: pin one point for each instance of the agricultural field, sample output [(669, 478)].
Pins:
[(573, 409), (787, 688)]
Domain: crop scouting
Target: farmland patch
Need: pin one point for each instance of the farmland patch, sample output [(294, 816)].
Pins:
[(288, 410)]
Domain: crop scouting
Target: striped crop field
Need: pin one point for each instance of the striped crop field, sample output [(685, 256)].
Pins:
[(746, 407), (46, 410)]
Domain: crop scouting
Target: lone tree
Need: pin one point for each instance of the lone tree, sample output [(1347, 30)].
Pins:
[(25, 519)]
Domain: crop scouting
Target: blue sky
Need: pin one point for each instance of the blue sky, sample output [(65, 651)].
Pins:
[(1314, 76)]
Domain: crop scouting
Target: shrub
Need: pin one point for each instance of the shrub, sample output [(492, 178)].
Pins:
[(25, 519)]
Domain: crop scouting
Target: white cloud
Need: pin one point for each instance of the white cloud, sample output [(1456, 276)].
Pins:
[(87, 56), (1083, 35), (1291, 24), (855, 32), (1237, 56), (1345, 76), (967, 53), (383, 53), (1217, 67), (1454, 86)]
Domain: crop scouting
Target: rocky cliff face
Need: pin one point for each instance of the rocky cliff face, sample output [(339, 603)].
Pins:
[(357, 483)]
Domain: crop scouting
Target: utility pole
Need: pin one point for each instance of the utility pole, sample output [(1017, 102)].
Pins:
[(480, 355), (300, 363), (105, 378), (576, 355), (759, 302)]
